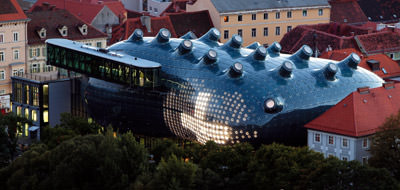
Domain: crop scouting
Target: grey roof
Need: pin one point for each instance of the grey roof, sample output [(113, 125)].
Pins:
[(225, 6)]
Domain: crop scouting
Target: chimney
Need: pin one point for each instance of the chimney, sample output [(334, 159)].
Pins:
[(373, 64), (146, 21), (388, 85), (363, 90), (391, 27), (52, 7)]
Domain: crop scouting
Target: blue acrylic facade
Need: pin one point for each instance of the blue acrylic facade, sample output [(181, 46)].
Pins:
[(223, 92)]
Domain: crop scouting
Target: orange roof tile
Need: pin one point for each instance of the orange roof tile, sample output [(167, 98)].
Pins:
[(391, 67), (10, 11), (359, 114)]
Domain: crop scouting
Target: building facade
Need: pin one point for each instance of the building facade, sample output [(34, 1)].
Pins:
[(346, 129), (44, 25), (13, 41), (265, 23), (341, 146)]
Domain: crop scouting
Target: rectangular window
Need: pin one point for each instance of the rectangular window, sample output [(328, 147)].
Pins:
[(1, 38), (35, 96), (317, 137), (331, 140), (304, 12), (27, 94), (265, 16), (21, 72), (266, 31), (320, 12), (226, 18), (345, 158), (240, 18), (289, 14), (253, 17), (345, 142), (98, 44), (34, 115), (35, 68), (1, 56), (45, 116), (2, 75), (240, 32), (19, 110), (30, 53), (16, 54), (45, 96), (26, 113), (44, 52), (253, 32), (38, 52), (365, 143), (15, 72), (278, 31), (277, 15), (289, 28), (15, 35), (47, 68), (226, 34)]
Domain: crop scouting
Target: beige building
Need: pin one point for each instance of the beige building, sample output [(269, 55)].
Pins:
[(13, 40), (264, 21), (45, 23)]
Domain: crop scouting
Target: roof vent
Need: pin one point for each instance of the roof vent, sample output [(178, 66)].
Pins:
[(388, 85), (274, 49), (236, 70), (213, 35), (273, 105), (304, 53), (363, 90), (235, 42), (210, 57), (260, 53), (163, 35), (286, 69), (189, 36), (137, 35), (351, 61), (254, 45), (373, 64), (185, 46), (330, 71)]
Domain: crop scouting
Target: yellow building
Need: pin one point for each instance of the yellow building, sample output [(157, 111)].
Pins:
[(263, 21), (13, 24)]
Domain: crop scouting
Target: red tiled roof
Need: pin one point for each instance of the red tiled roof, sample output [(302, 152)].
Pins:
[(381, 10), (177, 6), (322, 36), (379, 42), (359, 114), (134, 14), (390, 66), (340, 12), (117, 8), (10, 10), (85, 11), (197, 22), (42, 17), (124, 30)]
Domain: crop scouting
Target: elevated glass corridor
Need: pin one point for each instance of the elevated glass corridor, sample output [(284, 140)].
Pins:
[(102, 64)]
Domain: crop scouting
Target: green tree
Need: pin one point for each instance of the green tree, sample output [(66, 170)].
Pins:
[(174, 174), (69, 127), (385, 146), (12, 124)]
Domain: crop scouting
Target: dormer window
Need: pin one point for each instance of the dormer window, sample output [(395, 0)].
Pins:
[(83, 29), (63, 31), (42, 33)]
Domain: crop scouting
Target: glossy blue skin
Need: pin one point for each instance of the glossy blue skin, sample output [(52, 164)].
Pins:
[(304, 95)]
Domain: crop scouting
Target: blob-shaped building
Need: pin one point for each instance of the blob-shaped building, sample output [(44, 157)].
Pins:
[(200, 89)]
